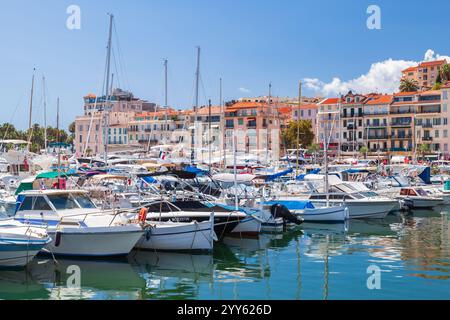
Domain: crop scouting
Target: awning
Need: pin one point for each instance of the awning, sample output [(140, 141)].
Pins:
[(53, 175)]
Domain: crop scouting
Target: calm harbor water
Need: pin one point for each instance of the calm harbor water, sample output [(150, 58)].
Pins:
[(312, 262)]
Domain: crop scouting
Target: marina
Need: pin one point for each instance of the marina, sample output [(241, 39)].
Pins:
[(314, 262), (296, 189)]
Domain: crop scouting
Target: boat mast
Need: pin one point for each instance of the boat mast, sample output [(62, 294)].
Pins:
[(236, 201), (209, 134), (267, 123), (31, 111), (298, 126), (57, 138), (222, 127), (197, 80), (165, 101), (108, 70), (325, 150), (45, 114)]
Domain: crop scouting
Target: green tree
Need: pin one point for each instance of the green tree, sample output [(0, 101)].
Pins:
[(304, 130), (445, 73), (407, 85), (423, 149), (363, 151)]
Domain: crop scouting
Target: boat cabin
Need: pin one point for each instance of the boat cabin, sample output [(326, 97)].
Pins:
[(413, 192), (52, 204)]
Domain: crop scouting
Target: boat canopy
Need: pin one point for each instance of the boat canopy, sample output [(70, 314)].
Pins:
[(275, 176), (14, 142), (53, 175), (447, 185), (229, 177), (292, 205)]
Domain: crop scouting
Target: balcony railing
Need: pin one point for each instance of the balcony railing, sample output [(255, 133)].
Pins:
[(401, 123), (401, 149), (405, 111), (378, 137), (426, 125), (401, 136), (427, 138)]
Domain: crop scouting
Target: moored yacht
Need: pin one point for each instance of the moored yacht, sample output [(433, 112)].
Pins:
[(76, 226), (20, 243)]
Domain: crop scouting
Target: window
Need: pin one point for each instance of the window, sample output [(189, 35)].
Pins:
[(360, 135), (240, 121), (436, 133), (63, 201), (84, 201), (27, 204), (445, 133), (41, 204)]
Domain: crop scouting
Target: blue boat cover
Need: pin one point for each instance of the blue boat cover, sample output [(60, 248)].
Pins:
[(292, 204), (302, 176), (278, 175), (426, 175)]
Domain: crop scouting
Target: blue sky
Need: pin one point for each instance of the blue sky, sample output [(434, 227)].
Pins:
[(248, 43)]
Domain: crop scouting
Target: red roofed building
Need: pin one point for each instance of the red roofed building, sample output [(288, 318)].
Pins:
[(425, 73)]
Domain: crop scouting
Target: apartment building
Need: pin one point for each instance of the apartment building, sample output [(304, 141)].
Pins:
[(101, 112), (352, 121), (328, 124), (376, 118), (305, 112), (257, 126), (425, 73)]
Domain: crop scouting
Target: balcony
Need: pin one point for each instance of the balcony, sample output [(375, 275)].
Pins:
[(401, 136), (429, 110), (426, 125), (401, 123), (427, 138), (403, 111), (378, 137), (401, 149)]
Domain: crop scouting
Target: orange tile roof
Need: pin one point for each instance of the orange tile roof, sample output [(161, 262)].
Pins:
[(330, 101), (430, 93), (400, 94), (204, 111), (245, 105), (432, 63), (410, 69), (384, 99)]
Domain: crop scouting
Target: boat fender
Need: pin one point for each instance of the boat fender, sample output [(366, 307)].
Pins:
[(143, 215), (57, 239), (148, 233)]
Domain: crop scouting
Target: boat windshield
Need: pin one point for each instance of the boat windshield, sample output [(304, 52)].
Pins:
[(63, 201), (421, 192), (84, 201)]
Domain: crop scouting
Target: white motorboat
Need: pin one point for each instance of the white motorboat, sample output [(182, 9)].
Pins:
[(317, 212), (415, 197), (178, 236), (76, 226), (20, 243)]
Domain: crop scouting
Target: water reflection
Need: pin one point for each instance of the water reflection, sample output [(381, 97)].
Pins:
[(314, 261)]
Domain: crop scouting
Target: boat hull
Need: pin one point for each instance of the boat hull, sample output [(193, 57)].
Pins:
[(17, 256), (101, 242), (249, 226), (336, 214), (178, 236)]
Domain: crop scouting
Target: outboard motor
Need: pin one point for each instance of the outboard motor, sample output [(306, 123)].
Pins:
[(280, 211)]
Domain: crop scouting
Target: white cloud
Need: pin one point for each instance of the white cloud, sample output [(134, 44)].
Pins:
[(383, 77), (244, 90), (430, 55)]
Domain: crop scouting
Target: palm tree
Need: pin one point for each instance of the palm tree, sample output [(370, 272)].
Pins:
[(363, 150), (445, 72), (407, 85), (424, 149)]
